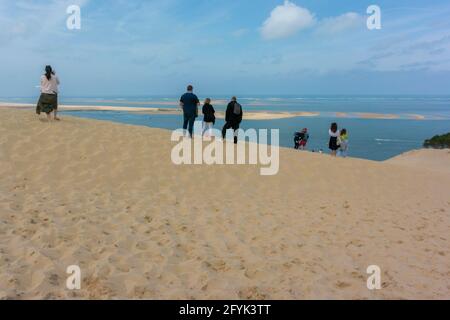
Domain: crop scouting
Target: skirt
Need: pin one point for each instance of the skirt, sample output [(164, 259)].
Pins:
[(47, 103), (333, 145)]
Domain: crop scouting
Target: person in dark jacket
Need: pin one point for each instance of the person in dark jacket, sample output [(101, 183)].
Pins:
[(301, 139), (209, 118), (233, 118), (189, 103)]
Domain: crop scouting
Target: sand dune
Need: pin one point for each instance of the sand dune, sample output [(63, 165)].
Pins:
[(107, 197), (425, 159)]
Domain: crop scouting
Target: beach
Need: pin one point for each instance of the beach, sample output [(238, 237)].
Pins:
[(107, 197)]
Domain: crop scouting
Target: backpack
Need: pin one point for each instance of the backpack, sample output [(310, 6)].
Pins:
[(237, 109)]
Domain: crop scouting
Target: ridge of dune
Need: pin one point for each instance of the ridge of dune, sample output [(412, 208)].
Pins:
[(426, 159), (107, 197)]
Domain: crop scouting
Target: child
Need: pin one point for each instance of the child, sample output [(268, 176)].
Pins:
[(343, 144), (209, 118), (334, 134), (301, 139)]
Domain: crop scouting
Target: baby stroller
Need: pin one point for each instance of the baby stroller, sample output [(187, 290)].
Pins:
[(301, 139)]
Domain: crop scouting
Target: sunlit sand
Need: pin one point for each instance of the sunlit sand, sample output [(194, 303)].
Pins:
[(107, 197)]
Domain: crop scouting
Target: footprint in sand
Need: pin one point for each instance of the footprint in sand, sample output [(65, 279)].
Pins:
[(141, 246), (342, 285), (357, 275), (54, 279)]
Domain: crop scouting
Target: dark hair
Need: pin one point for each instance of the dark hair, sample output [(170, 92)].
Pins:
[(48, 72), (190, 88), (343, 131), (334, 127)]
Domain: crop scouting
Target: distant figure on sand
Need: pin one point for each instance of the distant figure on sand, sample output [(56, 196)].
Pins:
[(334, 135), (209, 118), (189, 103), (301, 139), (233, 118), (343, 144), (48, 101)]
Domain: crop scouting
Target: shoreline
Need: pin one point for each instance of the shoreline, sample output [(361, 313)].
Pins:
[(249, 115), (387, 160)]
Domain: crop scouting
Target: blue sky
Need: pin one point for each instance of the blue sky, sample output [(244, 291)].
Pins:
[(156, 47)]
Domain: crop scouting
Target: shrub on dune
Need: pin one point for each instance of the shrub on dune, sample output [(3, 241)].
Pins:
[(438, 142)]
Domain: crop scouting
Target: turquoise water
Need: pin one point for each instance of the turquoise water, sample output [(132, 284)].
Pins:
[(436, 107), (369, 139)]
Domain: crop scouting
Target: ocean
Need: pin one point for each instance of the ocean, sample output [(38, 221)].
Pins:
[(373, 139)]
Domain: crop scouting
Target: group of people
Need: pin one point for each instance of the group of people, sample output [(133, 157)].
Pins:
[(189, 103), (338, 143)]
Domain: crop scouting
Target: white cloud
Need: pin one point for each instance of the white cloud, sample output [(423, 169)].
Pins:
[(340, 23), (285, 20)]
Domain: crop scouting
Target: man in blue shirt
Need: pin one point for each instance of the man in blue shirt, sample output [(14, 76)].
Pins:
[(189, 103)]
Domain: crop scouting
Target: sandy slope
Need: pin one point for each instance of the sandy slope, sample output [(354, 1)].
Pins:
[(426, 159), (108, 198)]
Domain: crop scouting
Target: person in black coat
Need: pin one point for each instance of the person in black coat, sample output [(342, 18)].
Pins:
[(189, 104), (209, 118), (233, 118)]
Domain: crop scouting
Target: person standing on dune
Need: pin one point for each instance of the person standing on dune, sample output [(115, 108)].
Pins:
[(334, 135), (48, 101), (209, 118), (189, 104), (343, 144), (233, 118)]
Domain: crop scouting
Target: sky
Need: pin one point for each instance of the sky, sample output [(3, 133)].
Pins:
[(157, 47)]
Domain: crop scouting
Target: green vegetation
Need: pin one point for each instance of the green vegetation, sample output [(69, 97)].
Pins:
[(438, 142)]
